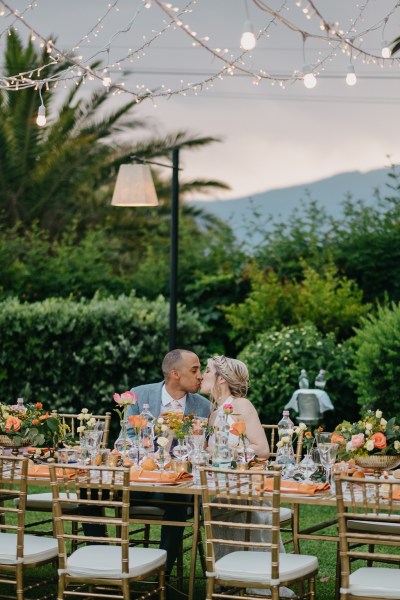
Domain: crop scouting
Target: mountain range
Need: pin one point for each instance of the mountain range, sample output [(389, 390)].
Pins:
[(248, 213)]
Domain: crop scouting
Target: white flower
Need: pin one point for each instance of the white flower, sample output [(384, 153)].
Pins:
[(81, 429), (279, 444), (164, 427), (162, 441), (160, 420), (383, 422), (87, 416), (378, 414), (368, 427), (370, 445), (349, 446), (289, 432), (80, 417), (303, 426), (285, 439), (91, 422), (85, 410), (396, 445)]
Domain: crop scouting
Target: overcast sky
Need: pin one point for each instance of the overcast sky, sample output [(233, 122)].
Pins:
[(272, 137)]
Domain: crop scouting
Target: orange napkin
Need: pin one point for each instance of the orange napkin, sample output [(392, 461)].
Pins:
[(396, 492), (43, 471), (294, 487), (141, 475)]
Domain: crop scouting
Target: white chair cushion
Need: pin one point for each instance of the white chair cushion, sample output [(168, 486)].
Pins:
[(105, 561), (375, 582), (43, 501), (36, 549), (374, 527), (256, 566), (285, 514)]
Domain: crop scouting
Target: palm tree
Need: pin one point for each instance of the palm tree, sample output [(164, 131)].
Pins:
[(66, 170)]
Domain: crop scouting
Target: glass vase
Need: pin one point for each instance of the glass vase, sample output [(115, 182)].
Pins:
[(123, 444)]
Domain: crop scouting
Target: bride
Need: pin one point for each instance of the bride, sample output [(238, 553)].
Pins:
[(226, 380)]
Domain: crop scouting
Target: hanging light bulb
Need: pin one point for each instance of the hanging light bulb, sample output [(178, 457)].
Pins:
[(107, 81), (351, 78), (385, 49), (248, 39), (309, 79), (41, 118)]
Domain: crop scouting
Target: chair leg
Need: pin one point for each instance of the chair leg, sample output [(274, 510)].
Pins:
[(210, 588), (126, 593), (19, 583), (161, 584)]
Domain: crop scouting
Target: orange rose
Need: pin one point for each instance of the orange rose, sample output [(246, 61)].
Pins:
[(308, 434), (337, 438), (379, 440), (238, 428), (35, 421), (43, 417), (13, 424), (39, 405), (137, 421)]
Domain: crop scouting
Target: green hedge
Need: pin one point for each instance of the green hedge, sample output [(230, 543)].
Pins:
[(70, 354), (376, 372), (275, 361)]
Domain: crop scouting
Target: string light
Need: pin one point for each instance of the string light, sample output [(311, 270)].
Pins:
[(385, 49), (248, 39), (310, 81), (351, 78), (41, 117)]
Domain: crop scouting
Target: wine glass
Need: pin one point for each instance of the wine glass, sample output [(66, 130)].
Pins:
[(328, 454), (308, 466)]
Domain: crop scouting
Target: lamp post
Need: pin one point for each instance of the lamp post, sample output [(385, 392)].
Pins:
[(135, 187)]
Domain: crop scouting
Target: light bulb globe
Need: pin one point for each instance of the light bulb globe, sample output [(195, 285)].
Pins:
[(41, 118), (107, 82), (248, 40), (351, 78), (309, 79), (385, 49)]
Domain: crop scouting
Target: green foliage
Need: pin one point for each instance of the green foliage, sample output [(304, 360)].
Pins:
[(332, 303), (376, 371), (275, 361), (67, 354)]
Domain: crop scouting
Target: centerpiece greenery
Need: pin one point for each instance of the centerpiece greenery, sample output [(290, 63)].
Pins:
[(32, 426)]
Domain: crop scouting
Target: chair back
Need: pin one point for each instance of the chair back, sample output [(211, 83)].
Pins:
[(224, 491), (309, 411), (72, 422), (371, 517), (271, 432), (13, 484), (107, 487)]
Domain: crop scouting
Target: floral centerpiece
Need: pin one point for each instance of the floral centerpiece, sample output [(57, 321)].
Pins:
[(371, 436), (123, 401), (86, 420), (30, 426)]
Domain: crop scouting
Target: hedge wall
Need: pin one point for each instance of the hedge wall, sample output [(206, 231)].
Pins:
[(70, 354)]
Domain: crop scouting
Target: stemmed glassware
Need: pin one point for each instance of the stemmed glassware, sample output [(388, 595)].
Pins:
[(328, 453), (92, 440)]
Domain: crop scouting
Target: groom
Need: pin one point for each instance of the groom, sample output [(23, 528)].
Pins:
[(182, 378)]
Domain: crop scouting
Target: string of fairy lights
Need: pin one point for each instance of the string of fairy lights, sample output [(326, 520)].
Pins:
[(87, 60)]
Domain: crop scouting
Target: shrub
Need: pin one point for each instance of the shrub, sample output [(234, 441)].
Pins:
[(376, 371), (70, 354), (275, 361)]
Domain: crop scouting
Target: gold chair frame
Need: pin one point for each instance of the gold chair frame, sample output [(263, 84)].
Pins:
[(114, 498), (13, 484), (224, 491), (360, 503)]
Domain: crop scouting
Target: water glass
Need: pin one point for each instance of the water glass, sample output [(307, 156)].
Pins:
[(328, 454)]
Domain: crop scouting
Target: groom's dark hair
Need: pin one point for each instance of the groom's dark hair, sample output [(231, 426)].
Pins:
[(172, 361)]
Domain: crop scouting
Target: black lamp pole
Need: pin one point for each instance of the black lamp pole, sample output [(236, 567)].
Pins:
[(173, 282)]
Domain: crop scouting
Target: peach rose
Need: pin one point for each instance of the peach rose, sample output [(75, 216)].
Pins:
[(43, 417), (238, 428), (137, 421), (337, 438), (39, 405), (35, 422), (13, 424), (357, 440), (379, 440)]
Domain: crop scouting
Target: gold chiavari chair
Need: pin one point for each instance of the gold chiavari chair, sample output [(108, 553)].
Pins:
[(109, 565), (286, 514), (243, 554), (42, 501), (19, 552), (368, 513)]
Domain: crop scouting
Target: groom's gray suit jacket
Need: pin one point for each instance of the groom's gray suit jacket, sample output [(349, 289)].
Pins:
[(151, 394)]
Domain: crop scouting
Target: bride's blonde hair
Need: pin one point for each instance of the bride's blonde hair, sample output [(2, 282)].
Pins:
[(235, 374)]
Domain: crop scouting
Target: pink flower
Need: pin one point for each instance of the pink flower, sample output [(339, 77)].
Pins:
[(357, 440), (125, 398), (228, 409)]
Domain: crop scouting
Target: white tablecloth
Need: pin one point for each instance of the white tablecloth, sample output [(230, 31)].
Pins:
[(323, 399)]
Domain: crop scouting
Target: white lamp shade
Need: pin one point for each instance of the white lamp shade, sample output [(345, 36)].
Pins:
[(134, 187)]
